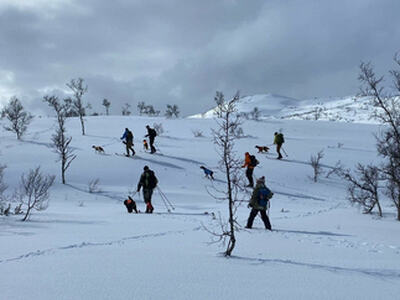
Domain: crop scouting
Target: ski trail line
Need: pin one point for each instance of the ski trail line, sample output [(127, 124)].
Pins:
[(379, 273), (91, 244)]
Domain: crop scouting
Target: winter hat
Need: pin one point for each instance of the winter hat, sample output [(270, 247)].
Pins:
[(261, 179), (145, 168)]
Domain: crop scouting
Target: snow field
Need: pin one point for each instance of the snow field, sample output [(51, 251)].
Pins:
[(85, 246)]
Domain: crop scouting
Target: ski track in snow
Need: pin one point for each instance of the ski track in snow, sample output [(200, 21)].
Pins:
[(332, 239), (92, 244), (379, 273)]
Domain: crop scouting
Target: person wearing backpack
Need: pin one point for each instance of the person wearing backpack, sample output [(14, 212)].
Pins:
[(259, 203), (151, 133), (250, 162), (278, 141), (148, 181), (128, 136)]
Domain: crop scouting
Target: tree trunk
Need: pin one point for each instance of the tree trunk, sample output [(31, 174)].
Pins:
[(232, 239), (398, 212), (28, 210), (63, 171), (82, 125), (379, 208)]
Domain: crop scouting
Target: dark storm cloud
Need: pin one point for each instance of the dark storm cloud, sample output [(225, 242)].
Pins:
[(183, 51)]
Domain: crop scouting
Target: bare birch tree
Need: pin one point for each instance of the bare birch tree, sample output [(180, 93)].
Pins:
[(78, 88), (61, 141), (230, 165), (363, 188), (35, 188), (18, 117), (106, 104), (219, 100), (172, 111), (388, 113), (315, 162)]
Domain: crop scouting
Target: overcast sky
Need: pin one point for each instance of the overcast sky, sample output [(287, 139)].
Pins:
[(182, 52)]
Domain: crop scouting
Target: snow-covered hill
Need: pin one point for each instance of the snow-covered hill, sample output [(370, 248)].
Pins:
[(268, 105), (347, 109), (86, 246), (341, 109)]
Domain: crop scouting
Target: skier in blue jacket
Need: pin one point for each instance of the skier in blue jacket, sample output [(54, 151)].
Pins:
[(128, 136)]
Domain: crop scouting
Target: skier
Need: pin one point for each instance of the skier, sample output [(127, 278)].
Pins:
[(258, 203), (278, 141), (148, 181), (151, 133), (128, 136), (250, 162)]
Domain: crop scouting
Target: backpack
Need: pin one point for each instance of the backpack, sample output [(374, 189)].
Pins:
[(264, 194), (129, 136), (253, 161), (152, 132), (279, 138), (150, 180)]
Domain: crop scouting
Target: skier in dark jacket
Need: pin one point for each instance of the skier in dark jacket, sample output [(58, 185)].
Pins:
[(148, 181), (128, 136), (258, 203), (278, 141), (151, 133)]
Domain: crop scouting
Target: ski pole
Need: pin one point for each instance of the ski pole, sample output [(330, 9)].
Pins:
[(284, 151), (165, 197), (165, 203), (169, 202), (166, 206)]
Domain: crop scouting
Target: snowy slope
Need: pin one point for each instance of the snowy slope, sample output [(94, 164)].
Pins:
[(341, 109), (85, 246), (347, 109), (268, 104)]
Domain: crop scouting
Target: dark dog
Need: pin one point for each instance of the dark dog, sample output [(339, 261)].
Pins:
[(98, 149), (208, 172), (145, 145), (130, 205), (262, 149)]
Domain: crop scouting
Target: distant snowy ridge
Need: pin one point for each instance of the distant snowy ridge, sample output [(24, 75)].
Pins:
[(268, 105), (350, 109)]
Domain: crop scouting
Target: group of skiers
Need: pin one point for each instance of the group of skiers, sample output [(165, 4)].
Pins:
[(127, 138), (250, 161), (261, 195)]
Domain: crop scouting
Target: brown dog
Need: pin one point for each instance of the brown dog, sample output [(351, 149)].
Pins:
[(145, 145), (98, 149), (130, 205), (262, 149)]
